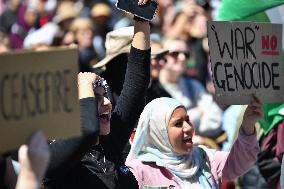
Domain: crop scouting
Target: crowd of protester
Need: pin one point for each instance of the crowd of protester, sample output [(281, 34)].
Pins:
[(141, 62)]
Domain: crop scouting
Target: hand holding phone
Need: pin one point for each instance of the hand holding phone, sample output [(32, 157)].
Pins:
[(146, 11)]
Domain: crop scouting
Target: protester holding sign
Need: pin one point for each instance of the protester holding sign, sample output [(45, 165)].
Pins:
[(163, 154), (102, 164)]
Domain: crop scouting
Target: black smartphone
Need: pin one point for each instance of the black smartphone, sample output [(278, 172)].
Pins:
[(146, 11)]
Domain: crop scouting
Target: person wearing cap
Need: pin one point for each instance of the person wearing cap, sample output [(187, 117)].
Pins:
[(99, 163), (65, 14), (158, 60), (101, 14)]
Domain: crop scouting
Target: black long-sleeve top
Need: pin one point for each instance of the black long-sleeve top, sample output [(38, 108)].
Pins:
[(78, 163)]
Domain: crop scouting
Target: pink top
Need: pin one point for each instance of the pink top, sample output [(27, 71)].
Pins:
[(223, 165)]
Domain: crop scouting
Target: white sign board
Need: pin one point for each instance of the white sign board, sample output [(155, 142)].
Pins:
[(246, 59), (38, 91)]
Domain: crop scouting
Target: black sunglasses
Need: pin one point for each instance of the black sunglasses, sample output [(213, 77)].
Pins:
[(176, 53), (160, 57)]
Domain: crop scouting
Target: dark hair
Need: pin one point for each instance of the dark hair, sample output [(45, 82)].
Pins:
[(204, 4)]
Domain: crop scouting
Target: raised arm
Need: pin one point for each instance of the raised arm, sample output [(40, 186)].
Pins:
[(132, 99), (244, 151), (66, 153), (141, 38)]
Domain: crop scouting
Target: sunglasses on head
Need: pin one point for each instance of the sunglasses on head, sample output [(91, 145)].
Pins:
[(176, 53)]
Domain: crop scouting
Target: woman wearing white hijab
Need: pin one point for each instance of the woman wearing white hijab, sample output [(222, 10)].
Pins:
[(163, 155)]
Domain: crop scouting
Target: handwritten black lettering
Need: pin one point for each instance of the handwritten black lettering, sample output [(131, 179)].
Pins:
[(26, 95), (228, 76), (246, 76), (241, 40), (225, 45), (237, 46), (265, 70), (274, 68), (3, 86), (222, 85), (248, 42)]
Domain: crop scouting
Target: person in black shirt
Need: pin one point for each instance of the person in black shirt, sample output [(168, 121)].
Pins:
[(92, 162)]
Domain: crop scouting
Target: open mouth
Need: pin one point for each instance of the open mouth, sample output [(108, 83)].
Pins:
[(105, 117), (187, 139)]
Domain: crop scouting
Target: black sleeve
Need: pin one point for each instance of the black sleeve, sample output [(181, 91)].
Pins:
[(65, 153), (2, 172), (131, 100)]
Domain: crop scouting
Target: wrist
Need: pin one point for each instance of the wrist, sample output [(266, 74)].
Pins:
[(25, 183), (248, 130), (139, 19), (85, 83), (86, 90), (29, 176)]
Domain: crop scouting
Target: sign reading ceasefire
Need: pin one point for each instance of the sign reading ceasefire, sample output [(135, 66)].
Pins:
[(246, 59), (38, 91)]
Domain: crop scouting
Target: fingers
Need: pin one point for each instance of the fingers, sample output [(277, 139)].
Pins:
[(258, 111), (255, 98), (142, 2), (191, 9), (255, 101), (23, 153), (198, 9), (87, 78), (256, 105)]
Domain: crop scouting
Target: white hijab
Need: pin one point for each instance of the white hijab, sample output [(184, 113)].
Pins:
[(151, 142)]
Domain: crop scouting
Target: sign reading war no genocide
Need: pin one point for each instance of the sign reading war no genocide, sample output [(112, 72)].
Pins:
[(38, 91), (246, 59)]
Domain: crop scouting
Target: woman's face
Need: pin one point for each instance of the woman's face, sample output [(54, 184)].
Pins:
[(180, 131), (104, 109)]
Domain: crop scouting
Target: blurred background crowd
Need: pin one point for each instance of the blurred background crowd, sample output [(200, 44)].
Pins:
[(180, 66)]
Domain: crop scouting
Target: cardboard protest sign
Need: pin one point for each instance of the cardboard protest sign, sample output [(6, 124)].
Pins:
[(38, 90), (246, 59)]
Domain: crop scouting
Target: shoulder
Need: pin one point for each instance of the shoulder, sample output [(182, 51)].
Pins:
[(148, 173), (139, 170), (138, 166), (193, 83), (206, 153)]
